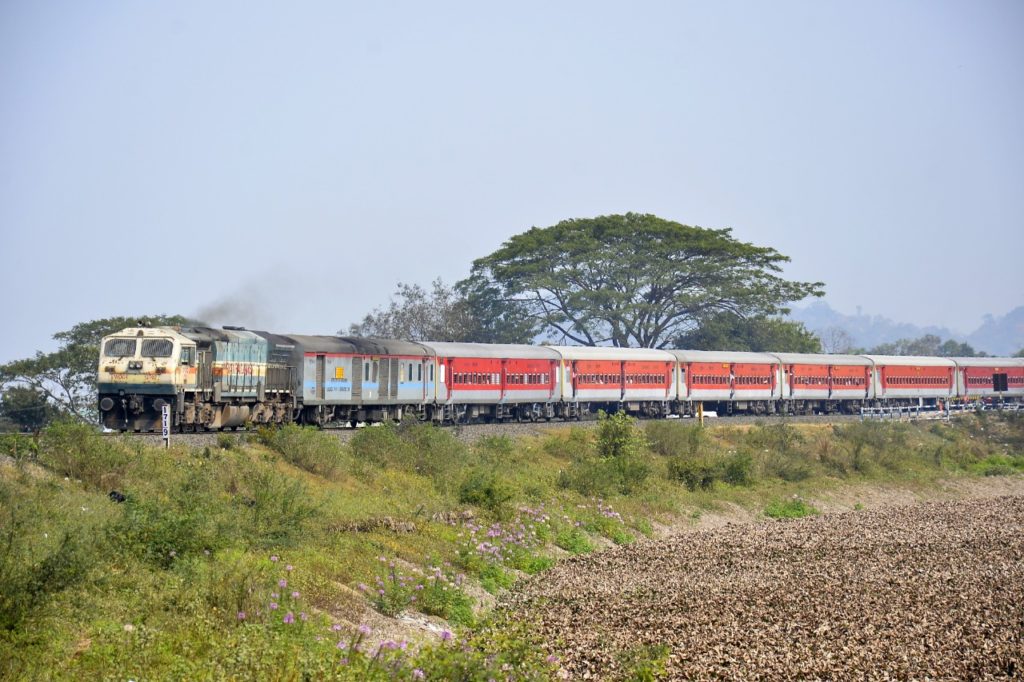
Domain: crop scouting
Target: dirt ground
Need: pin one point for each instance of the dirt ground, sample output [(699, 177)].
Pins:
[(882, 586)]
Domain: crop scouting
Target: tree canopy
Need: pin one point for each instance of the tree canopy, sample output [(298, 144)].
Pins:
[(67, 376), (757, 334), (470, 311), (929, 344), (635, 280)]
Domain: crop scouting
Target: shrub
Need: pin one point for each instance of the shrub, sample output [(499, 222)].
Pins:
[(619, 436), (275, 508), (306, 447), (702, 471), (793, 508), (484, 488), (80, 452), (671, 438), (575, 444), (423, 449), (694, 472), (645, 663), (18, 446), (605, 476), (573, 540)]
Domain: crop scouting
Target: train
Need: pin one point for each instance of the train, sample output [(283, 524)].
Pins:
[(214, 379)]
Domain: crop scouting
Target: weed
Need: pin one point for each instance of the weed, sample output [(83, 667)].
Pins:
[(793, 508), (574, 541), (645, 663)]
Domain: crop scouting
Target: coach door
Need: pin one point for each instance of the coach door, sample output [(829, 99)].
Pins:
[(321, 371), (357, 378)]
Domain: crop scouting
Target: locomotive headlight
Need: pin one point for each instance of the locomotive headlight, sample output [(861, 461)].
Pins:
[(106, 404)]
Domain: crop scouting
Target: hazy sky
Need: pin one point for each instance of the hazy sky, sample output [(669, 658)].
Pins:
[(284, 165)]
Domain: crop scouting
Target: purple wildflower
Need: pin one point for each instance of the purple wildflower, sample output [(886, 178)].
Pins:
[(336, 627), (282, 583), (295, 595), (365, 630), (289, 567), (273, 557), (342, 645), (273, 606), (289, 617), (418, 674), (241, 615), (446, 635), (303, 617)]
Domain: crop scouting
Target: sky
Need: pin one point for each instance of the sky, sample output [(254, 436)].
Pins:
[(284, 165)]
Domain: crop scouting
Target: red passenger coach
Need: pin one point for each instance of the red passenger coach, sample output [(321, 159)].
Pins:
[(990, 377), (638, 380), (495, 381), (819, 382), (922, 378), (744, 379)]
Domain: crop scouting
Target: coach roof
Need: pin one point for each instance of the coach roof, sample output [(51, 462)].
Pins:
[(822, 359), (445, 349)]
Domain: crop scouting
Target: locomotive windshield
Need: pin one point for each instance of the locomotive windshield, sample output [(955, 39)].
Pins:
[(119, 348), (157, 348)]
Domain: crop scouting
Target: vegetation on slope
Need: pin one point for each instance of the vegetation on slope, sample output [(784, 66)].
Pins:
[(284, 554)]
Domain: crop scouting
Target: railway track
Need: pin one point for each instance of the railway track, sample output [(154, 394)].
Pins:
[(472, 432)]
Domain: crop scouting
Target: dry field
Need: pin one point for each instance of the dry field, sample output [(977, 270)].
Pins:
[(925, 591)]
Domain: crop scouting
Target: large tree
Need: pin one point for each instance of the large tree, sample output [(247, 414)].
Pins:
[(23, 408), (471, 311), (636, 280), (930, 345), (757, 334), (67, 376)]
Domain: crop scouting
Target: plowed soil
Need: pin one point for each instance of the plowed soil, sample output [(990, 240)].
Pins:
[(925, 591)]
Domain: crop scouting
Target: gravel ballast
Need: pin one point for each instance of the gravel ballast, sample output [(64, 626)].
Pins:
[(930, 591)]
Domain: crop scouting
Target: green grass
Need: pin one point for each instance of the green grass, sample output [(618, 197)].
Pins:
[(152, 588), (789, 509)]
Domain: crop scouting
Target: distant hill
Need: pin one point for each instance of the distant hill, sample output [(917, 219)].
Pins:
[(1000, 335), (997, 335)]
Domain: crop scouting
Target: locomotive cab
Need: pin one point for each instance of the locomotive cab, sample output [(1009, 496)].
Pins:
[(140, 371)]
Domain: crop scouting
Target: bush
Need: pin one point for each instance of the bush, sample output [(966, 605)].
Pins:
[(577, 444), (484, 488), (423, 449), (793, 508), (623, 475), (619, 436), (671, 438), (274, 508), (80, 452), (694, 472), (702, 471), (573, 540), (305, 447)]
